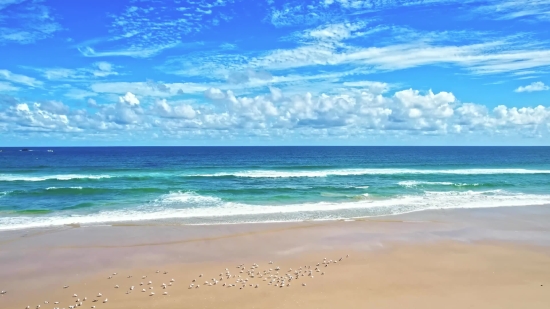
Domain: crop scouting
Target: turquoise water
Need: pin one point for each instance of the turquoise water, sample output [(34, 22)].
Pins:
[(210, 185)]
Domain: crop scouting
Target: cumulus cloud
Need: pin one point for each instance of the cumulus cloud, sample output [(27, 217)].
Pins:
[(279, 115), (535, 86), (178, 111), (129, 98)]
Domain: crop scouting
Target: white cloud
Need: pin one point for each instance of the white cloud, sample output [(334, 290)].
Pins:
[(535, 86), (97, 70), (148, 88), (26, 22), (129, 98), (350, 113), (20, 79), (7, 87), (144, 52), (79, 94), (516, 9), (178, 111)]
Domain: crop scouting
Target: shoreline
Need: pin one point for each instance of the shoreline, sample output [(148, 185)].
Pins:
[(470, 255), (173, 221)]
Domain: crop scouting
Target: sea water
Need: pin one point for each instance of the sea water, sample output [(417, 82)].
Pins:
[(215, 185)]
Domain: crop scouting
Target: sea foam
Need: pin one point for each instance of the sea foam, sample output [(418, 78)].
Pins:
[(368, 171), (8, 177), (189, 207)]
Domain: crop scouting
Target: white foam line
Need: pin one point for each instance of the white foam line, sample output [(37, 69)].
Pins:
[(356, 172), (7, 177), (189, 205)]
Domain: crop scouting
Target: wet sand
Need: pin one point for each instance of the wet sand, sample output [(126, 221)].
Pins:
[(479, 258)]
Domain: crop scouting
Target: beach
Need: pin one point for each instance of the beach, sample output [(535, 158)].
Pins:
[(459, 258)]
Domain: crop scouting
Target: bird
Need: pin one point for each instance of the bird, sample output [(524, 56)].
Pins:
[(143, 290), (152, 293), (303, 284), (165, 293), (93, 307), (106, 299), (45, 302), (116, 286), (150, 282), (56, 302), (172, 280), (74, 295), (132, 287), (114, 274), (85, 298), (65, 286), (98, 294)]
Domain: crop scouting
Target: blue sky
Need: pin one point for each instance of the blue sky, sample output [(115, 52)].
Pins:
[(243, 72)]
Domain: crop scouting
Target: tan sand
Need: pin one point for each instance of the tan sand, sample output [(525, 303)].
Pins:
[(393, 263)]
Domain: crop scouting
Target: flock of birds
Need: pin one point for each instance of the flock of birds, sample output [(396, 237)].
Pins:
[(244, 277)]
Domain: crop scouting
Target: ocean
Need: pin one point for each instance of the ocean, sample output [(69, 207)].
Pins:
[(216, 185)]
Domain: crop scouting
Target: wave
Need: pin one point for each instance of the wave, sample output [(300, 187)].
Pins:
[(8, 177), (57, 188), (189, 207), (415, 183), (368, 171)]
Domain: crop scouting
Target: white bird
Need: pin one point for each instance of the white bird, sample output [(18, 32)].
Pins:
[(28, 307), (172, 280), (152, 293), (85, 298), (45, 302), (158, 271), (114, 274), (74, 295), (132, 287), (303, 284), (98, 294), (106, 299), (165, 293), (56, 302), (116, 286), (65, 286), (143, 290), (150, 282)]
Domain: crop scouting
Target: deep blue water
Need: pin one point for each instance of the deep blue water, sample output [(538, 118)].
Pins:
[(202, 185)]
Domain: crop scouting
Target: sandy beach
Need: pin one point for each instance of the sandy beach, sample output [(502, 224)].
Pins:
[(477, 258)]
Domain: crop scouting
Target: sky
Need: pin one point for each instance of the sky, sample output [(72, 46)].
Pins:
[(266, 72)]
